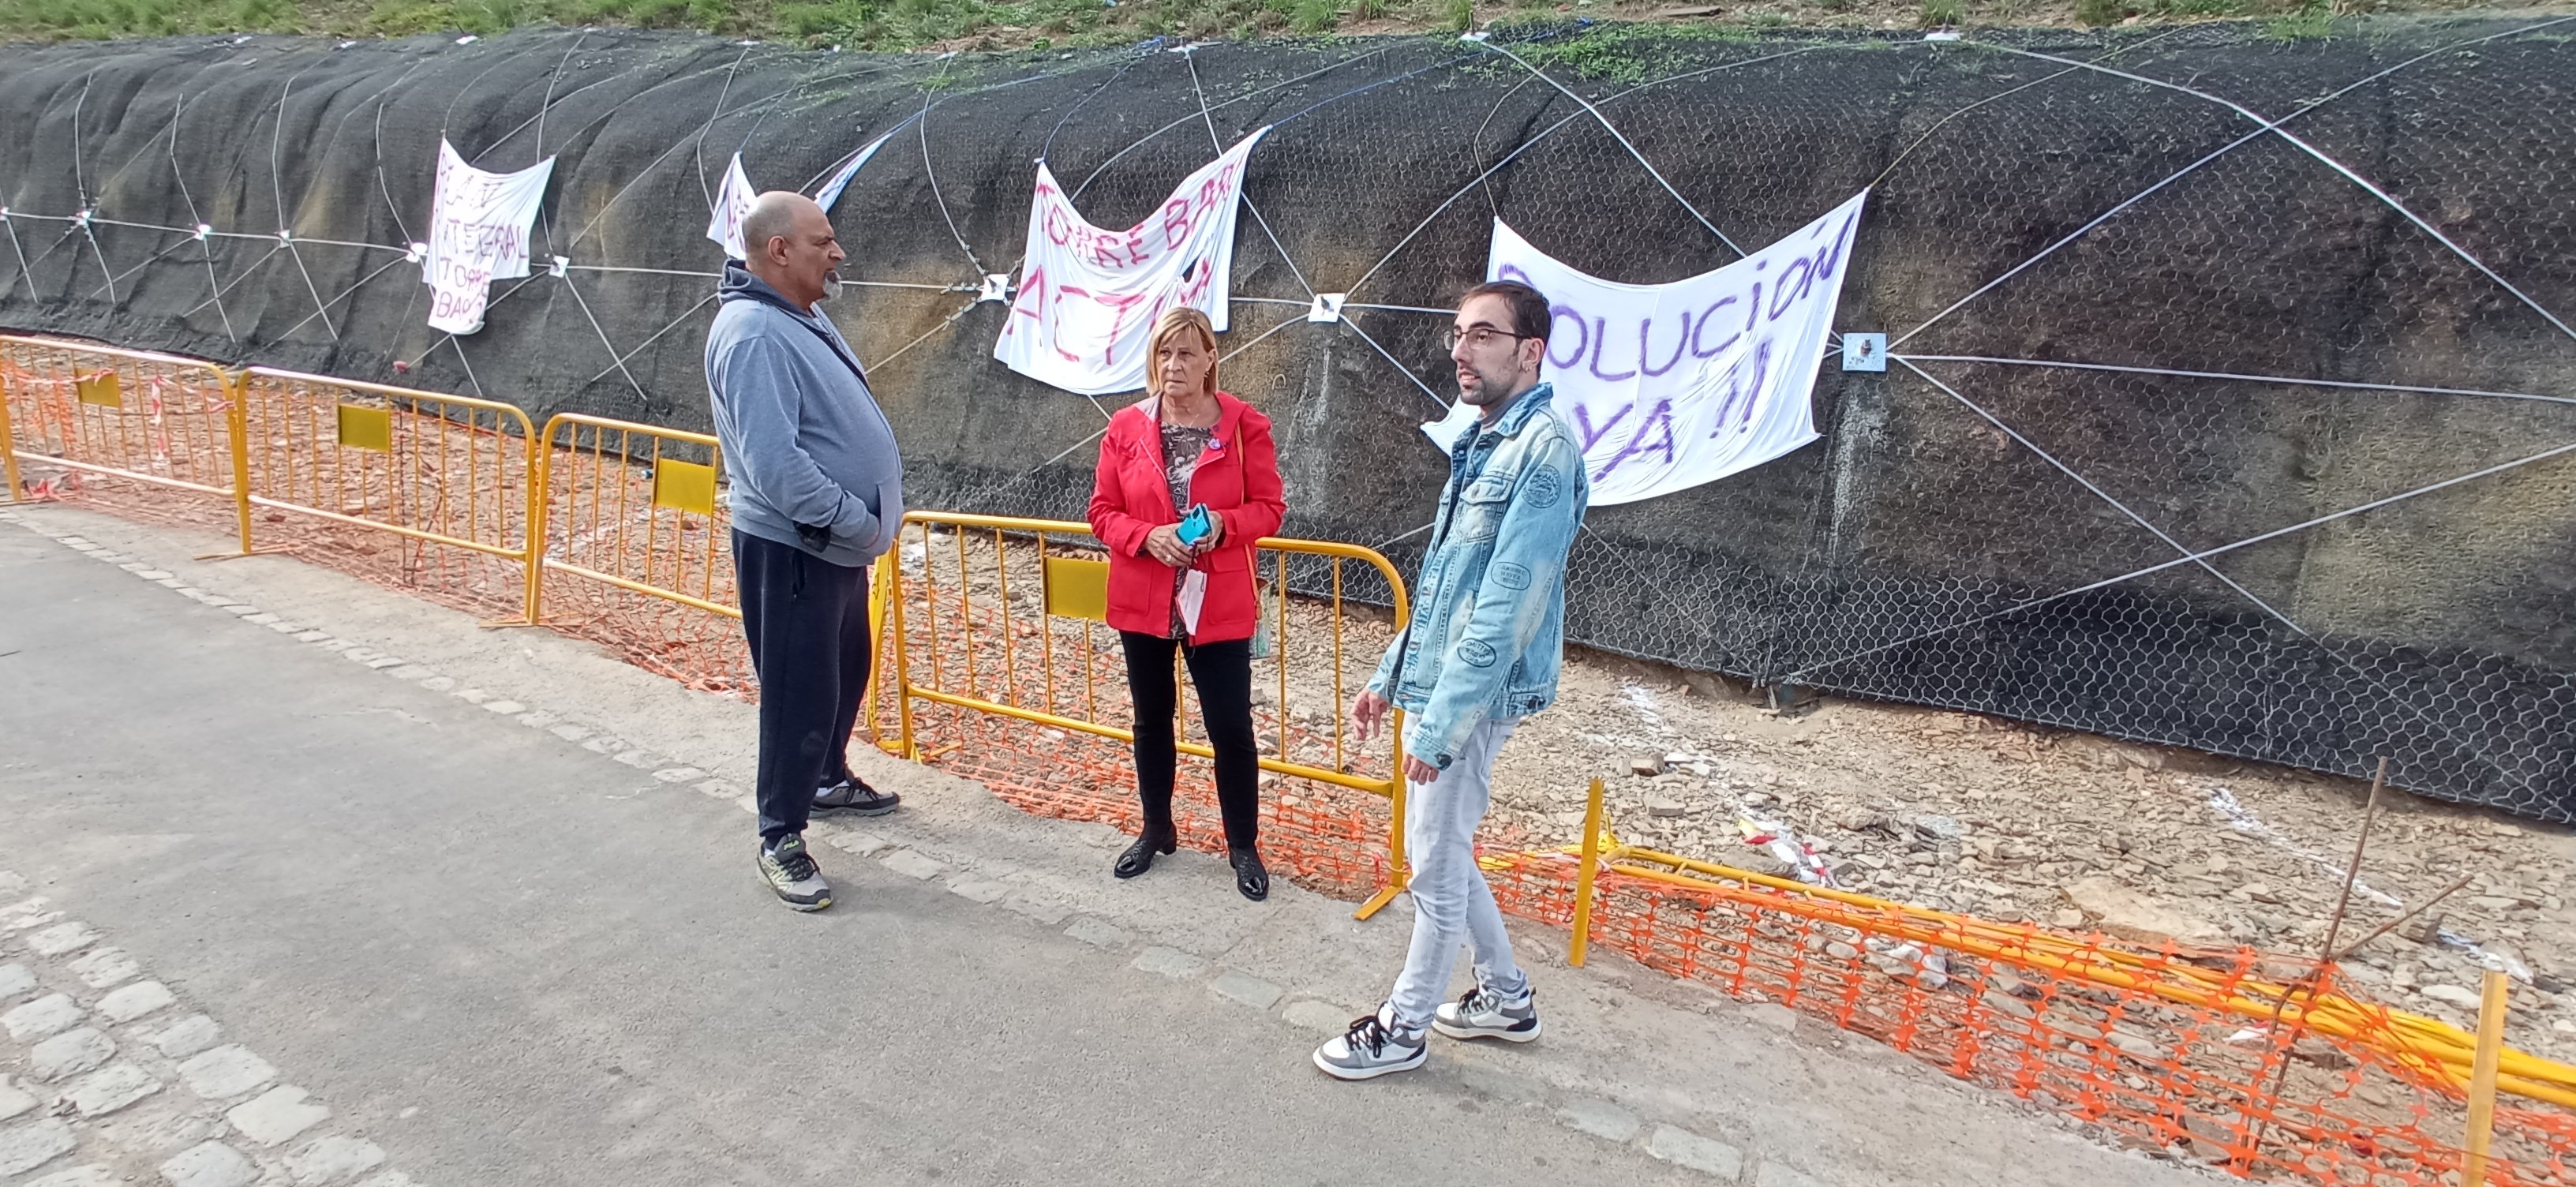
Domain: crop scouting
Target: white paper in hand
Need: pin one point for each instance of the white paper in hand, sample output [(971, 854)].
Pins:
[(1193, 595)]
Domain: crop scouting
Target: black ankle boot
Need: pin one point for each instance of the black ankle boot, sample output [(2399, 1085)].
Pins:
[(1249, 876), (1139, 857)]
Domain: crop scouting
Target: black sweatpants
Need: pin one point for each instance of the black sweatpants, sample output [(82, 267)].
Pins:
[(1223, 674), (807, 621)]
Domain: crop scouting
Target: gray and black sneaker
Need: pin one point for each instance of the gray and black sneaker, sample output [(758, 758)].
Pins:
[(1371, 1048), (1480, 1013), (854, 796), (790, 871)]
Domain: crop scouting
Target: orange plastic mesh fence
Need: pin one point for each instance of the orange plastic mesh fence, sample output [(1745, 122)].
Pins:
[(2174, 1052), (74, 408)]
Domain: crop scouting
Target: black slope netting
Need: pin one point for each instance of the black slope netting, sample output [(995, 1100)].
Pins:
[(2230, 373)]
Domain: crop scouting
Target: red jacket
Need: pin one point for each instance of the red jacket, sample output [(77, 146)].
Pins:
[(1238, 479)]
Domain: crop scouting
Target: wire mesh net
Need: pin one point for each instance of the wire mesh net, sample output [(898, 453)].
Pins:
[(2228, 369)]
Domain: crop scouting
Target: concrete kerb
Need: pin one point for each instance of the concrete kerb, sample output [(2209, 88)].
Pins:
[(1178, 948)]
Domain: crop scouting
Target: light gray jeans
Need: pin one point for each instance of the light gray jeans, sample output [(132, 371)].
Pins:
[(1451, 903)]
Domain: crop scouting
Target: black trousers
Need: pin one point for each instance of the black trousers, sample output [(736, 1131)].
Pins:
[(1223, 674), (807, 621)]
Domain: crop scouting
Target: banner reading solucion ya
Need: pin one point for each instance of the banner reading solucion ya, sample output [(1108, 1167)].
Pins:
[(1088, 297), (1673, 385), (478, 233)]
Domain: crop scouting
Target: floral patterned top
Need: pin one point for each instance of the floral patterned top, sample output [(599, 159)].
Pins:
[(1182, 446)]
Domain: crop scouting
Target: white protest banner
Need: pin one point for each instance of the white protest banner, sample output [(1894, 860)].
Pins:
[(831, 191), (478, 233), (1088, 298), (733, 204), (1672, 385)]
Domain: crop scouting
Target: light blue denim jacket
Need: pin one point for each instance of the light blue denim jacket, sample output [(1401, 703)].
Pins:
[(1488, 630)]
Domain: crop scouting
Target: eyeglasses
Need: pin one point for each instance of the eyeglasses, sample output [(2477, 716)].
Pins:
[(1479, 337)]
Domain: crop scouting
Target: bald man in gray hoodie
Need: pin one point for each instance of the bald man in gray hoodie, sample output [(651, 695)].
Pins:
[(817, 494)]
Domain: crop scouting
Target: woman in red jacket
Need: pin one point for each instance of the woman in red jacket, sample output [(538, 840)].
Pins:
[(1186, 445)]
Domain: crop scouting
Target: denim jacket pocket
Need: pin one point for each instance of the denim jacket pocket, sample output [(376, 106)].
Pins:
[(1481, 507)]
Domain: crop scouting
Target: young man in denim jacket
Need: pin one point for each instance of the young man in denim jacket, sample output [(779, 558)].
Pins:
[(1482, 653)]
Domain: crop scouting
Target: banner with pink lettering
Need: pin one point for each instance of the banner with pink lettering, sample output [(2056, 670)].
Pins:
[(1672, 385), (1088, 298), (478, 233)]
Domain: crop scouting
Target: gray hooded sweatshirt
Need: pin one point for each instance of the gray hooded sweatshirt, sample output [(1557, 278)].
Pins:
[(812, 461)]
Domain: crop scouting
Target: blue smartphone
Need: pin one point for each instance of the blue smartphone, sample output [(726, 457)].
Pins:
[(1195, 526)]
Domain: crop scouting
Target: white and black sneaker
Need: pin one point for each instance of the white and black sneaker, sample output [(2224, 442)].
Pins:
[(1480, 1013), (854, 796), (1372, 1047), (790, 871)]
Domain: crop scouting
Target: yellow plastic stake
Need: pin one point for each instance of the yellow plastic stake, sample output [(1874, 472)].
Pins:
[(902, 652), (8, 438), (2482, 1079), (1397, 877), (880, 588), (1583, 877), (540, 497), (237, 427)]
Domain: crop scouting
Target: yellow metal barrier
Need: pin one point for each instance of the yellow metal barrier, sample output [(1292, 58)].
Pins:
[(633, 506), (8, 436), (1029, 648), (637, 509), (432, 468), (122, 414)]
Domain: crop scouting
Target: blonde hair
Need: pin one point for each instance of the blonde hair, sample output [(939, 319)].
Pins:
[(1175, 321)]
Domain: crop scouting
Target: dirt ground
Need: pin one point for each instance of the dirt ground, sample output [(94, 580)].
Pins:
[(2016, 822)]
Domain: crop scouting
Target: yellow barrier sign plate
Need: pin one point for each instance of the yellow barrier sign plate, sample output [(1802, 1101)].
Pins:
[(102, 389), (684, 486), (362, 427), (1077, 588)]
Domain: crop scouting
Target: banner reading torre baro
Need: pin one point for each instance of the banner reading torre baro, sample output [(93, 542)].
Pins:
[(1088, 297)]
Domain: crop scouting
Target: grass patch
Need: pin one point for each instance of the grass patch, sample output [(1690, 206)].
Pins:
[(146, 18), (856, 24), (2312, 21), (1631, 53), (1613, 51)]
